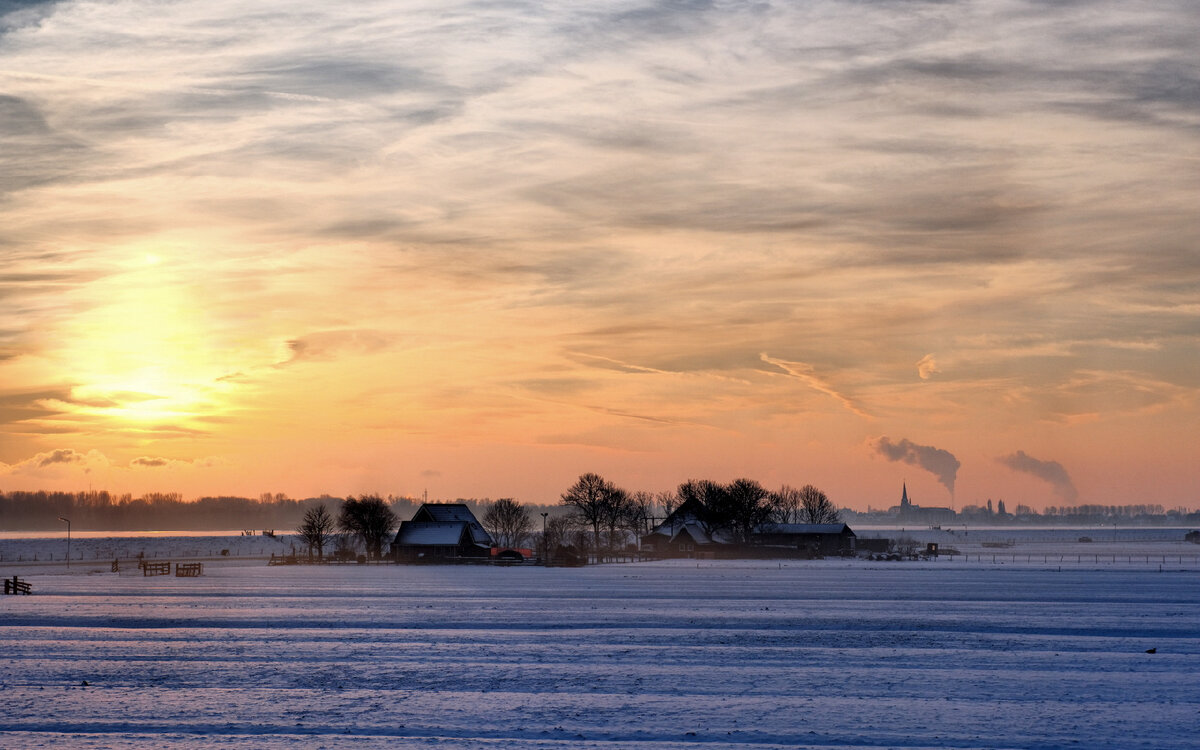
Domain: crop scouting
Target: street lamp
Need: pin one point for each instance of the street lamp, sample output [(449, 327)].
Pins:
[(68, 540), (545, 547)]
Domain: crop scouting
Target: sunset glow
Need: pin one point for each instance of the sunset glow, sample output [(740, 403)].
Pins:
[(478, 249)]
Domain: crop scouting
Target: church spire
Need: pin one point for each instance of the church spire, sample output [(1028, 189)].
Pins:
[(904, 502)]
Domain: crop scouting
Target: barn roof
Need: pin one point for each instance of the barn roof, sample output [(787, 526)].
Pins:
[(430, 533), (446, 512), (453, 513), (696, 532), (804, 528), (693, 529)]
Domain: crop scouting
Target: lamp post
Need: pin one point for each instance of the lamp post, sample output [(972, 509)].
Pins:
[(545, 547), (68, 539)]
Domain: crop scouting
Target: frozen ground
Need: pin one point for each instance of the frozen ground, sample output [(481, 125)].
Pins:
[(95, 550), (827, 654)]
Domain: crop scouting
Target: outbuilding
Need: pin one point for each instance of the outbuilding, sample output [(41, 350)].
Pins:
[(818, 539)]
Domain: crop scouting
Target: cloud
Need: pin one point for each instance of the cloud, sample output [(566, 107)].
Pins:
[(62, 456), (32, 153), (50, 462), (1048, 471), (806, 373), (159, 462), (324, 346), (512, 181), (23, 406), (941, 463), (56, 462), (927, 367), (149, 462)]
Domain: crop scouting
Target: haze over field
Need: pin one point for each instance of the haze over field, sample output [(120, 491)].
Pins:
[(480, 248)]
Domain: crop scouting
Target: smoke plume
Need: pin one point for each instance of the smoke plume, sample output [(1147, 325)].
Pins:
[(941, 463), (1048, 471)]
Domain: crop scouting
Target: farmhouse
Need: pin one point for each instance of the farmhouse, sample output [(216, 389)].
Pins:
[(440, 532), (688, 532), (683, 533)]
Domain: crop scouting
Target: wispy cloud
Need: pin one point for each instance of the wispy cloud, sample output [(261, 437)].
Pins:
[(806, 374), (621, 205), (927, 367), (327, 345)]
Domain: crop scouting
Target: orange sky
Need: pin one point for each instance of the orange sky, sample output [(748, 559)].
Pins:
[(479, 250)]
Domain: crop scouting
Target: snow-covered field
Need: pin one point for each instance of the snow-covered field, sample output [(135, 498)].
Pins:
[(1107, 546), (668, 655), (95, 549)]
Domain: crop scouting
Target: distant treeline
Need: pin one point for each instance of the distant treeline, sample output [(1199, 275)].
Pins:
[(1141, 514), (168, 511)]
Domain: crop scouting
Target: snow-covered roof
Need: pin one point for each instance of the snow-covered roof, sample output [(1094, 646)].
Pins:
[(696, 532), (803, 528), (447, 512), (430, 533), (674, 526), (453, 513)]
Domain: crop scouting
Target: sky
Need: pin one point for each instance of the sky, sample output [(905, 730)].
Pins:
[(476, 249)]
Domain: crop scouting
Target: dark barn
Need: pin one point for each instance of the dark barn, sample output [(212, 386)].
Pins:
[(817, 539), (441, 532)]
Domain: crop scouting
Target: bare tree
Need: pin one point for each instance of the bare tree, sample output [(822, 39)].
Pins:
[(787, 502), (710, 501), (560, 531), (370, 520), (815, 506), (746, 505), (639, 512), (316, 529), (508, 522), (594, 497), (617, 509), (668, 501)]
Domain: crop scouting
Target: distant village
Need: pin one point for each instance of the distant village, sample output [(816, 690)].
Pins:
[(998, 514)]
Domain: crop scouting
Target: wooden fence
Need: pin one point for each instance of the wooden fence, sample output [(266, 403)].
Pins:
[(15, 585), (1077, 559), (155, 568), (189, 570)]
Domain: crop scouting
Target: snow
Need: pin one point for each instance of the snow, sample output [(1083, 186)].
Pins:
[(430, 533), (96, 550), (738, 654)]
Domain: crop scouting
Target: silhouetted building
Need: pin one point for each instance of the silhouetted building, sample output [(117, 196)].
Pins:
[(686, 532), (441, 532), (683, 534), (816, 539), (907, 511)]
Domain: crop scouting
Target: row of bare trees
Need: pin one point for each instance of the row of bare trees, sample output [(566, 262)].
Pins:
[(607, 509), (508, 522), (737, 509), (368, 520)]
